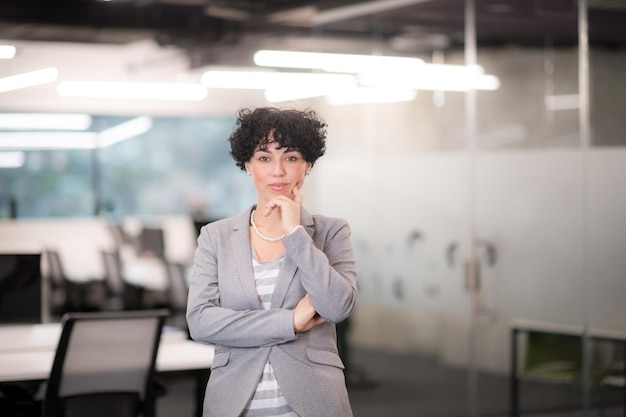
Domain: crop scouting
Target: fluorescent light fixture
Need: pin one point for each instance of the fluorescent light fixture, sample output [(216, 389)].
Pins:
[(275, 95), (262, 80), (76, 140), (123, 131), (12, 159), (45, 121), (385, 71), (7, 51), (563, 102), (28, 79), (434, 77), (133, 91), (345, 63), (362, 95), (47, 140)]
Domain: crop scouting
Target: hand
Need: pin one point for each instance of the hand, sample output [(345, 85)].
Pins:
[(289, 209), (304, 316)]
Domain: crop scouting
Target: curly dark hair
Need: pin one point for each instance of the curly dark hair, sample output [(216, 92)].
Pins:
[(300, 130)]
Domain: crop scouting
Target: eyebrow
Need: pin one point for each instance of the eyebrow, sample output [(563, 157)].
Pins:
[(267, 149)]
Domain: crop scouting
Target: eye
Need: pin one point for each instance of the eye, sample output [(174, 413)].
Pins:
[(263, 158), (292, 158)]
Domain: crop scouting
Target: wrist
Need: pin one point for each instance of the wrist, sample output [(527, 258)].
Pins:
[(295, 229)]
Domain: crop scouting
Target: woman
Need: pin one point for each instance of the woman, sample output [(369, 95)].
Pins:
[(267, 286)]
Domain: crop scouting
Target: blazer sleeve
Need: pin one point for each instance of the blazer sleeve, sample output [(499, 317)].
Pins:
[(209, 322), (329, 274)]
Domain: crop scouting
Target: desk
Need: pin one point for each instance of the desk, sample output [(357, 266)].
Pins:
[(149, 273), (519, 327), (27, 353)]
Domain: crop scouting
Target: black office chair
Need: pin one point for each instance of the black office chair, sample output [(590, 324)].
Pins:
[(66, 295), (177, 295), (59, 300), (152, 242), (104, 365), (121, 295)]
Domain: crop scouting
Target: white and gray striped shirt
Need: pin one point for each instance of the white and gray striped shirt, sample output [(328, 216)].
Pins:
[(268, 400)]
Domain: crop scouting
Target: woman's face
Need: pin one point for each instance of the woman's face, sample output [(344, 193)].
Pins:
[(276, 171)]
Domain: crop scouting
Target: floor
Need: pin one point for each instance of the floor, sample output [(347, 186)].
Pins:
[(412, 386)]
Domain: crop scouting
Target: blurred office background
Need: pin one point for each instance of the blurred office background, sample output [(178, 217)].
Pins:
[(485, 186)]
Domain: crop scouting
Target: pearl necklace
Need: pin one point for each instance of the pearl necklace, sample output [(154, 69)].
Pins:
[(261, 235)]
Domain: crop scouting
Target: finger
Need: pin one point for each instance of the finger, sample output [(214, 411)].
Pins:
[(271, 205), (298, 195)]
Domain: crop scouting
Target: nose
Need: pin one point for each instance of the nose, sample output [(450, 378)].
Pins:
[(279, 169)]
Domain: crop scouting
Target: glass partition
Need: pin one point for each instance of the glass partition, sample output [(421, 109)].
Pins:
[(528, 214), (605, 233), (123, 175)]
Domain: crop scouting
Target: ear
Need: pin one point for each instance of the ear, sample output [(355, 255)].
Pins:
[(247, 166)]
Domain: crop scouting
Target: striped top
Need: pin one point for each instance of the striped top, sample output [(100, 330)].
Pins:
[(268, 400)]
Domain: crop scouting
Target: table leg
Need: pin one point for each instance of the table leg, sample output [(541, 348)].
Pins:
[(514, 382)]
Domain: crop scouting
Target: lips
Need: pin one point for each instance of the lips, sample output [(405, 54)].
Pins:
[(279, 187)]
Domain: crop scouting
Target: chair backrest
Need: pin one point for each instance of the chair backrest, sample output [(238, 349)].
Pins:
[(55, 267), (113, 272), (178, 289), (152, 240), (106, 358)]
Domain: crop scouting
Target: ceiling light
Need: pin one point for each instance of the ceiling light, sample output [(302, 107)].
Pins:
[(12, 159), (7, 51), (136, 91), (435, 77), (300, 92), (47, 140), (44, 121), (363, 95), (334, 62), (262, 80), (76, 140), (386, 71), (28, 79), (123, 131)]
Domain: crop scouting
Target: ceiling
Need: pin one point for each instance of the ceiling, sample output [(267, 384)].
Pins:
[(200, 33), (204, 28)]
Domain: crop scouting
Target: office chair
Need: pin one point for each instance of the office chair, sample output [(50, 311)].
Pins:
[(121, 295), (66, 295), (104, 365), (177, 295), (152, 241), (57, 284)]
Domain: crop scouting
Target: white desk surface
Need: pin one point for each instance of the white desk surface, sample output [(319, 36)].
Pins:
[(27, 352), (593, 332)]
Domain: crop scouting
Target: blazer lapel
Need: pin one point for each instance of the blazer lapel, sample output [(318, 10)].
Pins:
[(289, 268), (242, 256)]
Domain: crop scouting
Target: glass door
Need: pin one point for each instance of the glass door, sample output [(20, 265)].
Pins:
[(544, 251), (486, 225)]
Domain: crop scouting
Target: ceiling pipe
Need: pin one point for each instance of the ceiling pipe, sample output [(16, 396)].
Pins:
[(361, 9)]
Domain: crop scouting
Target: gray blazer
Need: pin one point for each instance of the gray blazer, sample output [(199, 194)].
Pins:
[(224, 309)]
